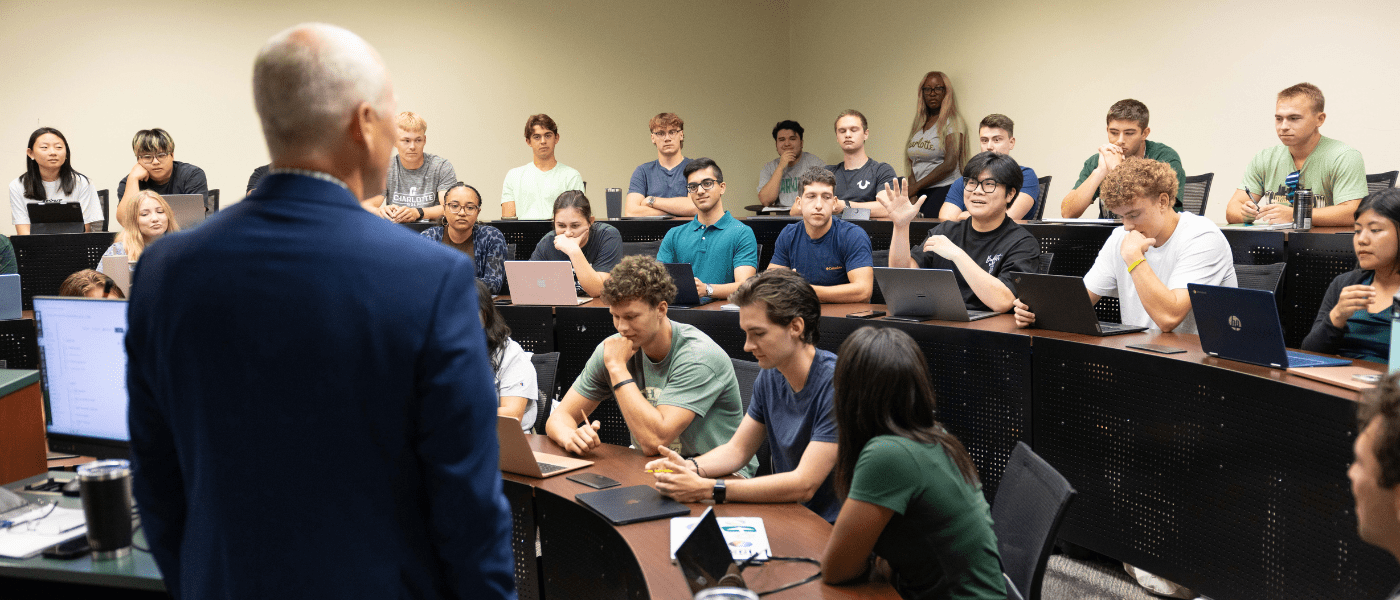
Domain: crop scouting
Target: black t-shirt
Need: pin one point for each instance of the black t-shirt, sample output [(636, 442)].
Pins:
[(861, 185), (185, 178), (1008, 248)]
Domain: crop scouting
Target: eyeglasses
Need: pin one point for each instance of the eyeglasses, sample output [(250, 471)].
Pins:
[(706, 184), (150, 158), (666, 134), (929, 90), (987, 185), (462, 208)]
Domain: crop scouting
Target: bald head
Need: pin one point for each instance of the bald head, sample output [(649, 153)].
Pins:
[(308, 82)]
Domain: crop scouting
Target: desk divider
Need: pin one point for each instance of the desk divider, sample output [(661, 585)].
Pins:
[(584, 556), (46, 260)]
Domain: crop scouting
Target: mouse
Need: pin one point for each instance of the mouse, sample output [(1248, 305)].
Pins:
[(71, 488)]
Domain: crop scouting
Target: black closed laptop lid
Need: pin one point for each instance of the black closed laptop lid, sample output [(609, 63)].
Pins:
[(632, 504)]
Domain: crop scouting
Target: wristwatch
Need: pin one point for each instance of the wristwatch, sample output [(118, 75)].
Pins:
[(420, 214), (709, 290), (719, 491), (651, 202)]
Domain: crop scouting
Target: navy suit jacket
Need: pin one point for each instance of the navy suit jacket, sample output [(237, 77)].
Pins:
[(312, 407)]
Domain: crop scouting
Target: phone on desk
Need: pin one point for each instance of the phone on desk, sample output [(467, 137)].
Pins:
[(593, 480), (867, 314)]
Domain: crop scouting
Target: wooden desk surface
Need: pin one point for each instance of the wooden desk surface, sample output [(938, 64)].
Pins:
[(793, 530)]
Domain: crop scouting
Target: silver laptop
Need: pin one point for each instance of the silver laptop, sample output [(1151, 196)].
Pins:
[(11, 298), (546, 282), (924, 295), (188, 209), (518, 458), (118, 267)]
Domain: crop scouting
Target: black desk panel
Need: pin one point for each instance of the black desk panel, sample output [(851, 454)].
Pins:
[(1314, 259), (1255, 247), (44, 261), (981, 382), (1227, 483), (530, 326)]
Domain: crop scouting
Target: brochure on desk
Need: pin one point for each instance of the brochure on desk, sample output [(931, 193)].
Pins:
[(745, 535)]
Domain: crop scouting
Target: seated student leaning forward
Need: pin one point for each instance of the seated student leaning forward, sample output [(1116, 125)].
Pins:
[(1148, 261), (674, 385), (982, 251), (1356, 313), (722, 251), (791, 408), (592, 247), (910, 491), (831, 254)]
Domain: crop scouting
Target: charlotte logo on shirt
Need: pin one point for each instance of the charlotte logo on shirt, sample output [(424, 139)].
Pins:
[(992, 262), (414, 199)]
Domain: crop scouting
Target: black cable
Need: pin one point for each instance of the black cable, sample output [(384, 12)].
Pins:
[(753, 560), (133, 540)]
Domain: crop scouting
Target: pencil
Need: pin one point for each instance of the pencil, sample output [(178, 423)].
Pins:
[(658, 471)]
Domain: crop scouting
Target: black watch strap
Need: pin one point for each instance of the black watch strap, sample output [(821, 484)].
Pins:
[(719, 491)]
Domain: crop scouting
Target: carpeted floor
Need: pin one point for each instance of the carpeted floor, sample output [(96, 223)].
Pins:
[(1067, 578)]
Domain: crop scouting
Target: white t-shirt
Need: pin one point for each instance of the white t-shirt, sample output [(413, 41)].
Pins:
[(83, 193), (516, 377), (533, 191), (1195, 253), (925, 152)]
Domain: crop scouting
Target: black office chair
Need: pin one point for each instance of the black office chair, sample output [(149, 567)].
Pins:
[(747, 372), (211, 203), (1196, 193), (1045, 259), (1031, 501), (1040, 202), (510, 252), (546, 364), (102, 200), (879, 258), (1260, 277), (643, 248), (1376, 182)]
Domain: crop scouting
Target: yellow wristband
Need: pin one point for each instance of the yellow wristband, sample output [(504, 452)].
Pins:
[(1135, 264)]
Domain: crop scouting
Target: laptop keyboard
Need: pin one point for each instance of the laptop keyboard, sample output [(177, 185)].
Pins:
[(1298, 360), (546, 468)]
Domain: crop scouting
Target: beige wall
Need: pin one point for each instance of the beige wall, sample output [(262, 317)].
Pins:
[(474, 70), (1055, 67)]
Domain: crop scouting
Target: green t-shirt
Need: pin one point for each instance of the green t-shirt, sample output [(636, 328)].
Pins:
[(1334, 172), (696, 375), (1155, 151), (939, 542)]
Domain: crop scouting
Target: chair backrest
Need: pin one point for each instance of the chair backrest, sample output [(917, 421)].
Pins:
[(1196, 193), (102, 200), (510, 252), (1260, 277), (1031, 501), (1376, 182), (1040, 202), (1045, 259), (747, 372), (545, 366), (211, 203), (44, 261), (879, 258), (643, 248)]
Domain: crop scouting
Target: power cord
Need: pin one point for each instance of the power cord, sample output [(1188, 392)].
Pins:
[(754, 560)]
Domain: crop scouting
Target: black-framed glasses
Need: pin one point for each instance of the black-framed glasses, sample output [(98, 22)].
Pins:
[(987, 185), (462, 208), (150, 158), (705, 184), (929, 90)]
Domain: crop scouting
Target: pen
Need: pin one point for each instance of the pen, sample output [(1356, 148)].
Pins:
[(658, 471)]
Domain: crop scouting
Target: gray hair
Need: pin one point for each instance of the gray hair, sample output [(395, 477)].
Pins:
[(307, 81)]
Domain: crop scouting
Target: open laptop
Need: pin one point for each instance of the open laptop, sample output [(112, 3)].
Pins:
[(1243, 324), (704, 556), (923, 295), (118, 268), (543, 282), (11, 297), (1055, 300), (686, 295), (518, 458), (187, 208), (82, 363), (55, 217)]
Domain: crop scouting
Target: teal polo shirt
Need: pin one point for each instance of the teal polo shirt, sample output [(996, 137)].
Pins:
[(714, 251)]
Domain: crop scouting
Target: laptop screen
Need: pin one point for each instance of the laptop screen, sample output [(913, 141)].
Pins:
[(82, 359)]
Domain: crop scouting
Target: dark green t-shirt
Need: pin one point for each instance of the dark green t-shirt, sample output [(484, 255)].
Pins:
[(1155, 151), (940, 541)]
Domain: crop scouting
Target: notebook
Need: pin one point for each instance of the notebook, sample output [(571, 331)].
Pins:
[(1243, 324), (518, 458), (544, 282), (924, 294), (632, 504), (1061, 303)]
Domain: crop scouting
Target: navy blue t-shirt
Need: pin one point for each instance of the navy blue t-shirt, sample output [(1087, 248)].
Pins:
[(651, 179), (861, 185), (1030, 186), (826, 260), (793, 420)]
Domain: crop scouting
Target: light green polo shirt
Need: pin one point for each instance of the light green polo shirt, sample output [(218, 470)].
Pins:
[(533, 191), (1334, 172)]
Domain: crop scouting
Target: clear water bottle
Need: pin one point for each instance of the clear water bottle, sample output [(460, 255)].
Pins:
[(1395, 333)]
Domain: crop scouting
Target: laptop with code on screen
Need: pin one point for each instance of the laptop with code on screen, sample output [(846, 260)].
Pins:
[(82, 365)]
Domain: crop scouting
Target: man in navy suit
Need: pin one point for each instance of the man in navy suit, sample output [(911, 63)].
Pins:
[(312, 408)]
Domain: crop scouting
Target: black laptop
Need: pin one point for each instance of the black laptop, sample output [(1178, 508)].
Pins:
[(924, 295), (1061, 303), (686, 294), (1243, 324), (55, 217), (632, 504), (704, 556)]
